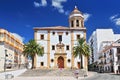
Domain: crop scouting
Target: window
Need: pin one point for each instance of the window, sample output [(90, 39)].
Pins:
[(42, 37), (77, 23), (42, 63), (118, 57), (78, 36), (118, 41), (53, 47), (67, 47), (118, 50), (69, 60), (60, 38), (72, 24), (53, 33), (52, 60), (66, 33)]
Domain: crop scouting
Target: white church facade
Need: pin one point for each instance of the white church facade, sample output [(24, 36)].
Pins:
[(58, 43)]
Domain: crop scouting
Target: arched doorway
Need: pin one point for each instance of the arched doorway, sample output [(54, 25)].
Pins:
[(60, 62)]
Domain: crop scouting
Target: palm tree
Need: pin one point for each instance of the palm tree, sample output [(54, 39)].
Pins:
[(81, 49), (31, 49)]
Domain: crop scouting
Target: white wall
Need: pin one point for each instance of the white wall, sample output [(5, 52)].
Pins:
[(99, 36), (54, 40), (2, 56), (116, 37), (104, 35), (115, 60), (66, 40)]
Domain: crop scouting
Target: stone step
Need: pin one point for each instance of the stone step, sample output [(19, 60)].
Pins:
[(57, 72)]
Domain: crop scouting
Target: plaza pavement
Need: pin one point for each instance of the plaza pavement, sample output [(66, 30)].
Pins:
[(15, 73), (104, 76), (39, 74)]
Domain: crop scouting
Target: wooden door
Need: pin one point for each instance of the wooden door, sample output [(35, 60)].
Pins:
[(78, 65), (60, 62)]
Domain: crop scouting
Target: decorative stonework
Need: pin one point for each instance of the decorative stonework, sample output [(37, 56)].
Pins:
[(60, 48)]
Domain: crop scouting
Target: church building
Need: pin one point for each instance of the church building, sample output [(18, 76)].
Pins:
[(58, 43)]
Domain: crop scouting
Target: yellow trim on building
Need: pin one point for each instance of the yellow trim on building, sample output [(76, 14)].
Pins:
[(8, 38), (72, 45), (48, 48)]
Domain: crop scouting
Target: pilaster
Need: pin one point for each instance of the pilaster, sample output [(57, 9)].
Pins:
[(48, 49)]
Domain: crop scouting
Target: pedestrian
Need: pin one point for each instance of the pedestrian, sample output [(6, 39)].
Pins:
[(76, 73)]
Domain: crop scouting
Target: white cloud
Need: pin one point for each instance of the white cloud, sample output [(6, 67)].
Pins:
[(115, 19), (57, 4), (86, 16), (112, 17), (67, 12), (36, 4), (43, 3), (61, 10), (18, 37)]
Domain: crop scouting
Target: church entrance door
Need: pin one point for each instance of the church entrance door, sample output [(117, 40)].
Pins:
[(60, 62)]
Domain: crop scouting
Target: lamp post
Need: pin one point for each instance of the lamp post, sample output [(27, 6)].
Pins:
[(5, 60)]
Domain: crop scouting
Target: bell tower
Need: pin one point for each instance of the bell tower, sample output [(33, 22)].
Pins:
[(76, 19)]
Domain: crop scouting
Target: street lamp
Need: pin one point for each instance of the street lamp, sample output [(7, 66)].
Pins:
[(5, 60)]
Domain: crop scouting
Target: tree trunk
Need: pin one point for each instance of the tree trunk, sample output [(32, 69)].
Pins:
[(32, 62), (81, 62)]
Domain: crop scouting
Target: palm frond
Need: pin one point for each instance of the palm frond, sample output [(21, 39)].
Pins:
[(81, 49)]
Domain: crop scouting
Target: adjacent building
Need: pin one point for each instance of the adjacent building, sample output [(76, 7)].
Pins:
[(102, 53), (58, 43), (109, 59), (10, 50), (95, 41)]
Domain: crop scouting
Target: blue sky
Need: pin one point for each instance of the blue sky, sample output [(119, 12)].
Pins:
[(20, 16)]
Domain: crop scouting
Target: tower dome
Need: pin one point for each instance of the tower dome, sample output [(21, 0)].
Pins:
[(76, 19), (76, 12)]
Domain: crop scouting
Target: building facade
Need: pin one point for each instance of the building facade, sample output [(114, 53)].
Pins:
[(109, 59), (103, 53), (58, 43), (95, 41), (10, 50)]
